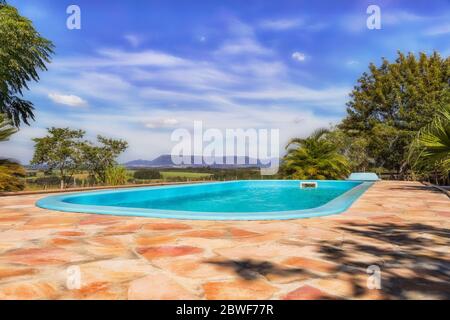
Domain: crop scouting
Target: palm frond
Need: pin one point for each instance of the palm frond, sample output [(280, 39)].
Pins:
[(6, 128), (314, 158), (431, 146)]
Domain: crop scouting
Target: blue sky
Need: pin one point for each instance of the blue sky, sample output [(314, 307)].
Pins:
[(139, 69)]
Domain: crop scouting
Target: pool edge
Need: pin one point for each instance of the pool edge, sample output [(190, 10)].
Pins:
[(336, 206)]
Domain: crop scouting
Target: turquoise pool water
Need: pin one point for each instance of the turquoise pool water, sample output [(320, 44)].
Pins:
[(236, 200)]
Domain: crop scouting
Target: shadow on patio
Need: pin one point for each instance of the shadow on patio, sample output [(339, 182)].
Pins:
[(414, 260)]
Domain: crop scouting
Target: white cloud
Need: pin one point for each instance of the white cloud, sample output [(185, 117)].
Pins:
[(243, 46), (281, 24), (200, 75), (243, 41), (352, 62), (133, 39), (116, 58), (68, 100), (91, 85), (438, 30), (260, 68), (143, 58), (329, 97), (298, 56), (145, 144), (397, 17), (162, 123), (139, 95)]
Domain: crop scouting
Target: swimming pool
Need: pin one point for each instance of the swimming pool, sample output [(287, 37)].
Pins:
[(232, 200)]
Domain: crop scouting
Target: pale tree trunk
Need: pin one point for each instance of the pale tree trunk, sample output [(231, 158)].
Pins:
[(61, 171)]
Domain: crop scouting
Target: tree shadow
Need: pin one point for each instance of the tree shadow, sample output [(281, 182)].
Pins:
[(249, 269), (414, 259), (416, 188)]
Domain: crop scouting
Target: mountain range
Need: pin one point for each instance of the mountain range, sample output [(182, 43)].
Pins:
[(165, 161)]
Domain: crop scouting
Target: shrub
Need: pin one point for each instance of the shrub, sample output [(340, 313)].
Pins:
[(147, 174), (116, 176), (31, 174), (46, 181), (10, 176)]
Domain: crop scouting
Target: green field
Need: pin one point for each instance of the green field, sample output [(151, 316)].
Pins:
[(183, 174)]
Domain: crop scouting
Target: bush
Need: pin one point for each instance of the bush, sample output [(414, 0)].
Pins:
[(46, 181), (10, 176), (176, 179), (31, 174), (147, 174), (116, 176)]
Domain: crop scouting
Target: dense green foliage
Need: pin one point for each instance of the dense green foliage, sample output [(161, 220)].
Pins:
[(10, 171), (314, 157), (117, 175), (6, 128), (147, 174), (59, 150), (392, 102), (65, 151), (11, 174), (354, 148), (430, 150), (98, 158), (23, 52)]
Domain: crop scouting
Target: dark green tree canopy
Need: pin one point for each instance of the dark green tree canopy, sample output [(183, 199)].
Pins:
[(23, 52), (390, 103), (98, 158), (65, 150), (60, 149)]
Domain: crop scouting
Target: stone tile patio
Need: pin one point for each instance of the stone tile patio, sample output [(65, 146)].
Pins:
[(402, 227)]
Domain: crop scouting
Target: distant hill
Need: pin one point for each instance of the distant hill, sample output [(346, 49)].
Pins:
[(165, 161)]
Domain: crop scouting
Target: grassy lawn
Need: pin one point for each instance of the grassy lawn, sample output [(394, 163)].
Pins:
[(182, 174)]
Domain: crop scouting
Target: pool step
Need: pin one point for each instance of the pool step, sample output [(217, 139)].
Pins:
[(308, 185)]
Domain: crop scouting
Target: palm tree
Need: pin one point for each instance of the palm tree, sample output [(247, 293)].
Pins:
[(6, 128), (430, 150), (314, 157), (10, 171)]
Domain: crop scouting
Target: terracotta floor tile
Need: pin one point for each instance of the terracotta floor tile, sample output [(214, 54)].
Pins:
[(158, 287), (238, 289), (307, 293), (167, 251), (402, 227)]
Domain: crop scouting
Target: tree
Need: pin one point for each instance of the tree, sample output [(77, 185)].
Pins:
[(61, 150), (314, 157), (354, 148), (430, 150), (97, 159), (392, 102), (23, 52), (10, 171)]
